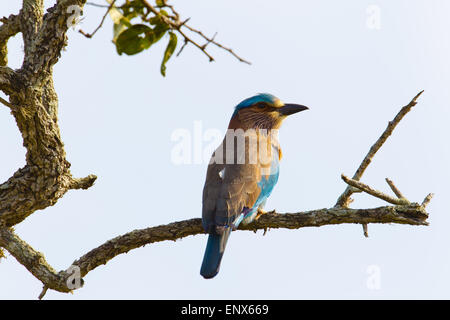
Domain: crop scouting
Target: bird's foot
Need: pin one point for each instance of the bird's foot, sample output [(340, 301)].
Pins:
[(260, 213)]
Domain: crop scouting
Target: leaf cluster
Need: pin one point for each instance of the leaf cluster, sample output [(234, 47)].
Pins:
[(136, 29)]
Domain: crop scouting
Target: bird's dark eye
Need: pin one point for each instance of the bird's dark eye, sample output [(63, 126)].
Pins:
[(261, 105)]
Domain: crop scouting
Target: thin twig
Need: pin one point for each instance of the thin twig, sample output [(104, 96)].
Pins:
[(174, 23), (97, 5), (10, 26), (373, 192), (182, 47), (427, 200), (211, 40), (6, 103), (210, 57), (83, 183), (90, 35), (365, 230), (394, 189), (343, 200), (44, 291)]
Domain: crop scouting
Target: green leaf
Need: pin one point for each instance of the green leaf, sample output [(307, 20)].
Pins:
[(122, 24), (160, 30), (171, 46), (160, 3), (120, 21), (135, 39), (135, 6)]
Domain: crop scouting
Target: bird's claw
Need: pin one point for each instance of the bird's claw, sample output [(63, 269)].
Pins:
[(260, 213)]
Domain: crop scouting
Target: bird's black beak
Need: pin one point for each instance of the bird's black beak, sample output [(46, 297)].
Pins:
[(291, 108)]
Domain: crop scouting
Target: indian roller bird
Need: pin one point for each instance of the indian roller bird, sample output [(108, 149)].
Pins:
[(242, 172)]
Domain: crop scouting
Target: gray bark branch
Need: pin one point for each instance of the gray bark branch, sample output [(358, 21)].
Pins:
[(9, 28), (412, 214), (344, 200), (33, 101)]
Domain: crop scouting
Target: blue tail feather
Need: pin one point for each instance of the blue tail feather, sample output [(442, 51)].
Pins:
[(214, 253)]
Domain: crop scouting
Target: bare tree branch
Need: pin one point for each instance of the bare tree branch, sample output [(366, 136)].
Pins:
[(30, 23), (176, 24), (427, 200), (8, 80), (6, 103), (9, 28), (31, 259), (97, 5), (90, 35), (83, 183), (373, 192), (46, 176), (395, 189), (44, 42), (412, 214), (211, 40), (42, 294), (344, 199)]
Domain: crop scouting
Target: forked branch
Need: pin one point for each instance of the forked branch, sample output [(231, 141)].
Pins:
[(344, 199), (412, 214), (353, 186)]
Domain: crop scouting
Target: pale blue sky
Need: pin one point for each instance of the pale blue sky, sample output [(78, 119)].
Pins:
[(117, 114)]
